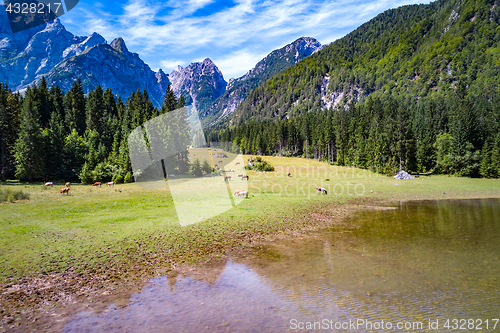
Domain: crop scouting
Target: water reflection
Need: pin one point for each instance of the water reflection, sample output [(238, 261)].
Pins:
[(423, 261)]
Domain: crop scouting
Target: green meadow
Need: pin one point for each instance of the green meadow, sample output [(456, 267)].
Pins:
[(94, 229)]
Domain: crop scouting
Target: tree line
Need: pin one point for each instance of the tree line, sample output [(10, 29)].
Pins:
[(454, 134), (46, 134)]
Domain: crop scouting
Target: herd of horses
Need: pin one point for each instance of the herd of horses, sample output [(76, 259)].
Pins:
[(66, 187), (237, 193)]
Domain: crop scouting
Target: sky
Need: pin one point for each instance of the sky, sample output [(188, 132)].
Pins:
[(234, 34)]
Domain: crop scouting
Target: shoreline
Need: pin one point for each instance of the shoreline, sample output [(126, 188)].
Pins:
[(47, 301)]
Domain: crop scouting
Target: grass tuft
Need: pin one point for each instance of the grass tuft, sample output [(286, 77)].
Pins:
[(11, 196)]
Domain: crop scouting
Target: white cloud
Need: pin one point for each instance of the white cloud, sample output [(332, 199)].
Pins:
[(235, 38), (168, 65), (232, 64)]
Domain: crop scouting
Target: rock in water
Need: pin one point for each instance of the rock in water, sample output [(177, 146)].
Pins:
[(403, 175)]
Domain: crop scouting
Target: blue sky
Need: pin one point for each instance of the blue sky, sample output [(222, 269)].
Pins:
[(234, 34)]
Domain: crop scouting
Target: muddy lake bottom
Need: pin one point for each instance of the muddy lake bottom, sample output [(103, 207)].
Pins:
[(416, 264)]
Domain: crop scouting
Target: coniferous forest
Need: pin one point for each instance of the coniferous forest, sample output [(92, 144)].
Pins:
[(416, 88), (459, 135), (48, 135)]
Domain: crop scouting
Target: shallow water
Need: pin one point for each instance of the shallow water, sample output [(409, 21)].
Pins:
[(422, 261)]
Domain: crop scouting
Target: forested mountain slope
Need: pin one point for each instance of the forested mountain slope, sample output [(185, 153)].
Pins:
[(412, 51), (415, 88)]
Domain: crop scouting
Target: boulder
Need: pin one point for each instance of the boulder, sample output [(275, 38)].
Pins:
[(403, 175)]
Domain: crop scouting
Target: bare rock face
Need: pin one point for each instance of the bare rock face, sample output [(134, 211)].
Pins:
[(50, 50), (272, 64), (111, 66), (201, 83), (27, 55)]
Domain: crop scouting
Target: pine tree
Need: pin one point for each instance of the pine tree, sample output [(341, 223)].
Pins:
[(95, 109), (169, 101), (43, 102), (9, 126), (75, 107), (29, 148), (54, 144), (74, 155), (206, 168), (196, 168)]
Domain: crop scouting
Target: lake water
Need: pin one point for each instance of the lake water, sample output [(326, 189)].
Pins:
[(419, 264)]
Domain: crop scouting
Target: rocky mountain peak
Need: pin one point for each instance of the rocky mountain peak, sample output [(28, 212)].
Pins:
[(119, 45), (162, 80), (200, 83)]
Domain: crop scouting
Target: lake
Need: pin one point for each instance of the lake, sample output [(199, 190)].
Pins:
[(418, 267)]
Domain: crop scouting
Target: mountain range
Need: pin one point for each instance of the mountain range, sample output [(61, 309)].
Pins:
[(52, 52)]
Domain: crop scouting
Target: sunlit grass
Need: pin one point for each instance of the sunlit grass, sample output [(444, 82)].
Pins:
[(97, 227)]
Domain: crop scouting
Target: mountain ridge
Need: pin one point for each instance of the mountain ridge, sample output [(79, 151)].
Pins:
[(414, 50)]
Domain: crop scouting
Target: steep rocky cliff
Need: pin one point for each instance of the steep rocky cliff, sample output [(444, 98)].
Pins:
[(201, 83)]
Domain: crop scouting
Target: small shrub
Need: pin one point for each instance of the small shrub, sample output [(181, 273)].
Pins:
[(86, 175), (118, 179), (11, 196), (258, 164), (128, 177), (196, 168)]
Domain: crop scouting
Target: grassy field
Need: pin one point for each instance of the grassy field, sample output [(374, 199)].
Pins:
[(94, 229)]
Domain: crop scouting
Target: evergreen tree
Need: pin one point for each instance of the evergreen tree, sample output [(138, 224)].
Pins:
[(206, 168), (29, 148), (75, 108), (43, 102), (95, 109), (170, 103), (9, 126), (196, 168), (74, 155)]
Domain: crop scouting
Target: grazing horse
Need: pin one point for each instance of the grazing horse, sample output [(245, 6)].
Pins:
[(227, 178), (241, 193), (64, 190), (321, 190), (245, 177), (51, 184), (97, 184), (110, 184), (240, 175), (220, 162), (67, 184)]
